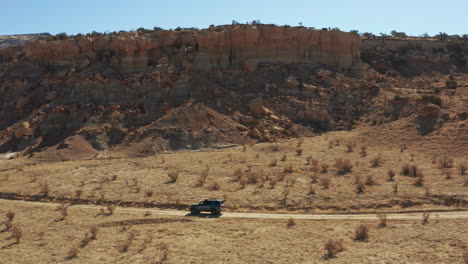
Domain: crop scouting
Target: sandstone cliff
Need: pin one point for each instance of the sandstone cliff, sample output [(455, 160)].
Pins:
[(217, 47)]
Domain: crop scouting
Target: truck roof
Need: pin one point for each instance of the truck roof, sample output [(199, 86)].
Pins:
[(214, 200)]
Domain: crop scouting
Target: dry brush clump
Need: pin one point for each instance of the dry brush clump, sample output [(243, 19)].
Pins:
[(325, 181), (214, 186), (343, 166), (333, 247), (73, 252), (447, 172), (237, 175), (125, 246), (363, 151), (395, 188), (44, 188), (410, 170), (63, 210), (361, 233), (425, 218), (16, 233), (291, 222), (419, 180), (360, 185), (324, 167), (391, 175), (445, 162), (173, 174), (462, 168), (382, 220), (203, 176), (350, 146), (299, 151), (376, 161)]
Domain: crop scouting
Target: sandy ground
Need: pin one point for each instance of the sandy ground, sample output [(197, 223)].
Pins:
[(46, 239)]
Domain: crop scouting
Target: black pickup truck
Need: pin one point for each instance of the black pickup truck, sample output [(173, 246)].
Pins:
[(215, 206)]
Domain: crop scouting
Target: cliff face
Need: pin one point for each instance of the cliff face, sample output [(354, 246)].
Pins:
[(217, 47)]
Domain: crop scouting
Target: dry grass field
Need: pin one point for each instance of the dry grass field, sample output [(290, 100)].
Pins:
[(136, 237), (339, 171)]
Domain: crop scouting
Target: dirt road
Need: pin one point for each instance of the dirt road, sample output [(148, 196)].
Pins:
[(357, 217)]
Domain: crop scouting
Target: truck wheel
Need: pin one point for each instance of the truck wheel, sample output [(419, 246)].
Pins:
[(214, 212), (194, 211)]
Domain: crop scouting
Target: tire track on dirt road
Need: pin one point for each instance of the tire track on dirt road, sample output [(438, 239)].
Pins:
[(441, 215)]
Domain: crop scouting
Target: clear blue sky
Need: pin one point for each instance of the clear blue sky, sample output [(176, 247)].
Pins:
[(81, 16)]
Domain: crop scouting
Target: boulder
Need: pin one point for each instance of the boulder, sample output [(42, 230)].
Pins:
[(256, 107)]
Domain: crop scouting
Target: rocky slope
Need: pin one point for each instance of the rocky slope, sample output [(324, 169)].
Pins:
[(148, 92)]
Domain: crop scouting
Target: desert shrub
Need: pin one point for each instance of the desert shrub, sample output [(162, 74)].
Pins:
[(73, 252), (272, 183), (111, 209), (242, 182), (311, 189), (288, 169), (331, 144), (299, 142), (343, 166), (164, 253), (410, 170), (44, 188), (433, 99), (370, 180), (333, 247), (382, 220), (16, 233), (419, 180), (8, 225), (299, 151), (173, 174), (324, 167), (149, 193), (445, 162), (128, 242), (376, 161), (146, 241), (363, 151), (451, 84), (280, 176), (391, 175), (462, 167), (237, 175), (361, 233), (291, 222), (349, 146), (425, 218), (291, 181), (273, 163), (360, 186), (93, 231), (314, 177), (283, 158), (285, 194), (85, 241), (214, 186), (448, 173), (63, 210), (325, 181), (203, 177), (10, 215), (395, 188)]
